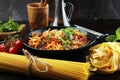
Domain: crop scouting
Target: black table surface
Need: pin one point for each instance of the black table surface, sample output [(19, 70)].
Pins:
[(99, 25)]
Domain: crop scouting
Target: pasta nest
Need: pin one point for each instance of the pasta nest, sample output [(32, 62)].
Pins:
[(105, 57)]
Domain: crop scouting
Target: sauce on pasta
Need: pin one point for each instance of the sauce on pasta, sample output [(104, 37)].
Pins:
[(63, 39)]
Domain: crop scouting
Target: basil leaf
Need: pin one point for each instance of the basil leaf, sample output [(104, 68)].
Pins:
[(118, 33), (1, 23), (111, 38), (68, 32)]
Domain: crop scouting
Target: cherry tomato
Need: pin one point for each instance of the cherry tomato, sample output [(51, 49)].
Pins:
[(2, 47), (13, 50), (19, 44)]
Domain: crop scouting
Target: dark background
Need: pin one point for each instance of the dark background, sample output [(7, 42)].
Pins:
[(84, 9), (99, 15)]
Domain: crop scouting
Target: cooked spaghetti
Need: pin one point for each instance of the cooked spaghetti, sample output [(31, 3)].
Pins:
[(63, 39)]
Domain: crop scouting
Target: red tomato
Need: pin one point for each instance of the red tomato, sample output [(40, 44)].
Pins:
[(2, 47), (13, 50), (19, 44)]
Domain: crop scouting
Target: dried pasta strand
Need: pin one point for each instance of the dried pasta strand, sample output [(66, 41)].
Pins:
[(58, 69)]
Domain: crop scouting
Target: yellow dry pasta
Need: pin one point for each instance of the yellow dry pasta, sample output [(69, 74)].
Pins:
[(57, 69), (105, 57)]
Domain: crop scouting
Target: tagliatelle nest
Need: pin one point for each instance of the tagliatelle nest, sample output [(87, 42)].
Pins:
[(105, 57)]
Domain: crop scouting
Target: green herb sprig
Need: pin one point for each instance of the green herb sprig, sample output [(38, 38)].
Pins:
[(68, 32), (114, 38), (9, 26)]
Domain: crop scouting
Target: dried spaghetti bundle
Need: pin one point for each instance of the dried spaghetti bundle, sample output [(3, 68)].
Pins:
[(50, 68)]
